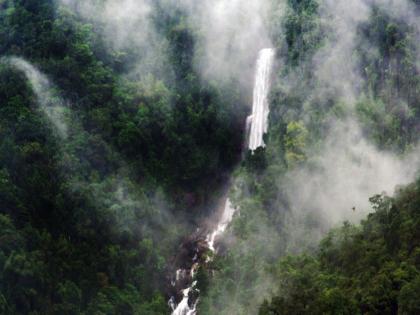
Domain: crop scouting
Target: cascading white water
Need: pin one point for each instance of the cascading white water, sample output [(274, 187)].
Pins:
[(257, 125), (227, 216), (260, 106), (183, 308)]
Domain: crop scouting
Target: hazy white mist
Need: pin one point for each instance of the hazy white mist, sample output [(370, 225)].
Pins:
[(337, 183), (49, 102)]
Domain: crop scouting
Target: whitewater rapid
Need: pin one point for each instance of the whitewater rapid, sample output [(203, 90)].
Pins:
[(226, 218), (184, 307), (260, 106)]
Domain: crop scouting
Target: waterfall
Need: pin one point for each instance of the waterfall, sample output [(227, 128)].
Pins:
[(256, 125), (186, 307), (183, 307), (51, 105), (227, 216), (260, 107)]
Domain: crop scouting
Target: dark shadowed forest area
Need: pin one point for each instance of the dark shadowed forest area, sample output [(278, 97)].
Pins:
[(214, 157)]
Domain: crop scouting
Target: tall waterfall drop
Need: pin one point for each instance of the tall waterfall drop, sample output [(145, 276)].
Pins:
[(257, 125), (260, 108)]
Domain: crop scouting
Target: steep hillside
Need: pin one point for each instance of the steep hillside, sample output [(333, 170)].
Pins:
[(372, 268)]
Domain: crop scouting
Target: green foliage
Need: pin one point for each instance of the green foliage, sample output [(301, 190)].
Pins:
[(372, 269), (303, 31), (408, 301), (295, 143), (84, 222), (356, 271), (391, 108)]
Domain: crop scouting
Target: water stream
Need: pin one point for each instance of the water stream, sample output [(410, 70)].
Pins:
[(257, 125)]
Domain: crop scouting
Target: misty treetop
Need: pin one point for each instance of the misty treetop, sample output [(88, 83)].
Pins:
[(81, 233), (341, 131), (154, 97), (367, 269)]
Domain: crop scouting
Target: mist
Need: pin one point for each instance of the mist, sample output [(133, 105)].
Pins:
[(129, 32), (49, 101), (228, 34), (125, 207), (346, 167), (342, 169), (336, 184), (231, 35)]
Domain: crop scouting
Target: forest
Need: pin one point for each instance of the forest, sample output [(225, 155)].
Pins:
[(125, 125)]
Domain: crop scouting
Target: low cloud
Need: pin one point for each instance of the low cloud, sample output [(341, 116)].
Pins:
[(49, 102), (337, 183)]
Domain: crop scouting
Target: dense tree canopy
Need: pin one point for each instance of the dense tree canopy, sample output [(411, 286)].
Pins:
[(90, 222), (367, 269), (354, 270), (68, 244)]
